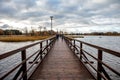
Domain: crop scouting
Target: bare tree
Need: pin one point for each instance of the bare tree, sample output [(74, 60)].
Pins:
[(40, 27), (26, 31)]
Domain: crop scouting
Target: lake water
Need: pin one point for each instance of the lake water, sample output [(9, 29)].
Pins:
[(7, 64), (109, 42)]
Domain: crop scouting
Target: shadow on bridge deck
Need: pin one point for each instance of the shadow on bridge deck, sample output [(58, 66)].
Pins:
[(61, 64)]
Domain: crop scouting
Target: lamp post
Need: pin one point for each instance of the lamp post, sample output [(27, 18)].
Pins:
[(51, 17)]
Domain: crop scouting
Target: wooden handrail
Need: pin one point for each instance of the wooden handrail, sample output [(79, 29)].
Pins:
[(115, 53), (23, 64), (100, 63), (7, 54)]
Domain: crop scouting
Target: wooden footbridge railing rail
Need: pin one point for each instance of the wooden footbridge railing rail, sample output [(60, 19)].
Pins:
[(78, 50), (23, 65), (75, 45)]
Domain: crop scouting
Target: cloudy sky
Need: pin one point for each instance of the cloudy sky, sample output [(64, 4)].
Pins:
[(69, 15)]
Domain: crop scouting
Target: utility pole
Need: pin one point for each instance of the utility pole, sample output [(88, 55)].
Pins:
[(51, 17)]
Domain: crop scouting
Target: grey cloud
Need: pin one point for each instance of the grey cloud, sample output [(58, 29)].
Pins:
[(80, 12), (32, 14), (7, 11), (12, 8), (5, 26), (53, 4), (24, 3), (3, 1)]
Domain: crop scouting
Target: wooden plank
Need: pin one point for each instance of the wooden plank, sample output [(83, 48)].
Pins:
[(61, 64)]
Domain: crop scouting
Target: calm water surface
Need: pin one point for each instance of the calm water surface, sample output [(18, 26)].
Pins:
[(7, 64), (109, 42)]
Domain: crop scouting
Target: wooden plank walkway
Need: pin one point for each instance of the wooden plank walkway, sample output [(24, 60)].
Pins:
[(61, 64)]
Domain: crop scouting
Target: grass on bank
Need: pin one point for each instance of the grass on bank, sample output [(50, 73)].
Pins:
[(21, 38)]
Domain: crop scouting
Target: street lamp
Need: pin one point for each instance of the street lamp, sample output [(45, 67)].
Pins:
[(51, 17)]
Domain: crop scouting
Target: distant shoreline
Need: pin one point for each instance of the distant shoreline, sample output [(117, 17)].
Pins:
[(101, 35), (90, 35), (82, 36)]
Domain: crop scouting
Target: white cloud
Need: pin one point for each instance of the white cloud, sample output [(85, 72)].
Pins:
[(107, 21), (74, 15), (99, 1)]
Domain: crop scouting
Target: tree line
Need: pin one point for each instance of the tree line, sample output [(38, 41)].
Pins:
[(97, 33), (10, 32), (30, 33), (49, 32)]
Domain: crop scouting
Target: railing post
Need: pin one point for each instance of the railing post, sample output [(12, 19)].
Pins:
[(99, 65), (50, 43), (24, 66), (70, 43), (47, 45), (81, 51), (41, 50), (74, 46)]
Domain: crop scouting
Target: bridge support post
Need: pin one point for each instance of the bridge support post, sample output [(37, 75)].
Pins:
[(74, 46), (70, 43), (24, 66), (41, 50), (99, 65), (47, 45), (81, 51), (50, 43)]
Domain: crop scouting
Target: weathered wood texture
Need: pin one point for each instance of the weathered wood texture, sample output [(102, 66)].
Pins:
[(61, 64)]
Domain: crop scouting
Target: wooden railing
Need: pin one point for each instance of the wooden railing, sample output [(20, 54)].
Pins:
[(23, 70), (77, 47)]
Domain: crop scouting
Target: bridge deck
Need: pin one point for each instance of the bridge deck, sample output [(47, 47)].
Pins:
[(61, 64)]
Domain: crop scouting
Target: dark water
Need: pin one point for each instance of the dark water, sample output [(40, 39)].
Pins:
[(109, 42)]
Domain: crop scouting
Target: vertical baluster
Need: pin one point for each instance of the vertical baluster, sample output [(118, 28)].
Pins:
[(50, 43), (71, 44), (81, 51), (41, 50), (47, 45), (99, 65), (74, 46), (68, 42), (24, 65)]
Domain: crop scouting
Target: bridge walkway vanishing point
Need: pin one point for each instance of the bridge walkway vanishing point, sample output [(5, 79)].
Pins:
[(61, 64)]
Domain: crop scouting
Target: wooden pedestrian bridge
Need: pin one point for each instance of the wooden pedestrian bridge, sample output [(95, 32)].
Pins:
[(60, 59)]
